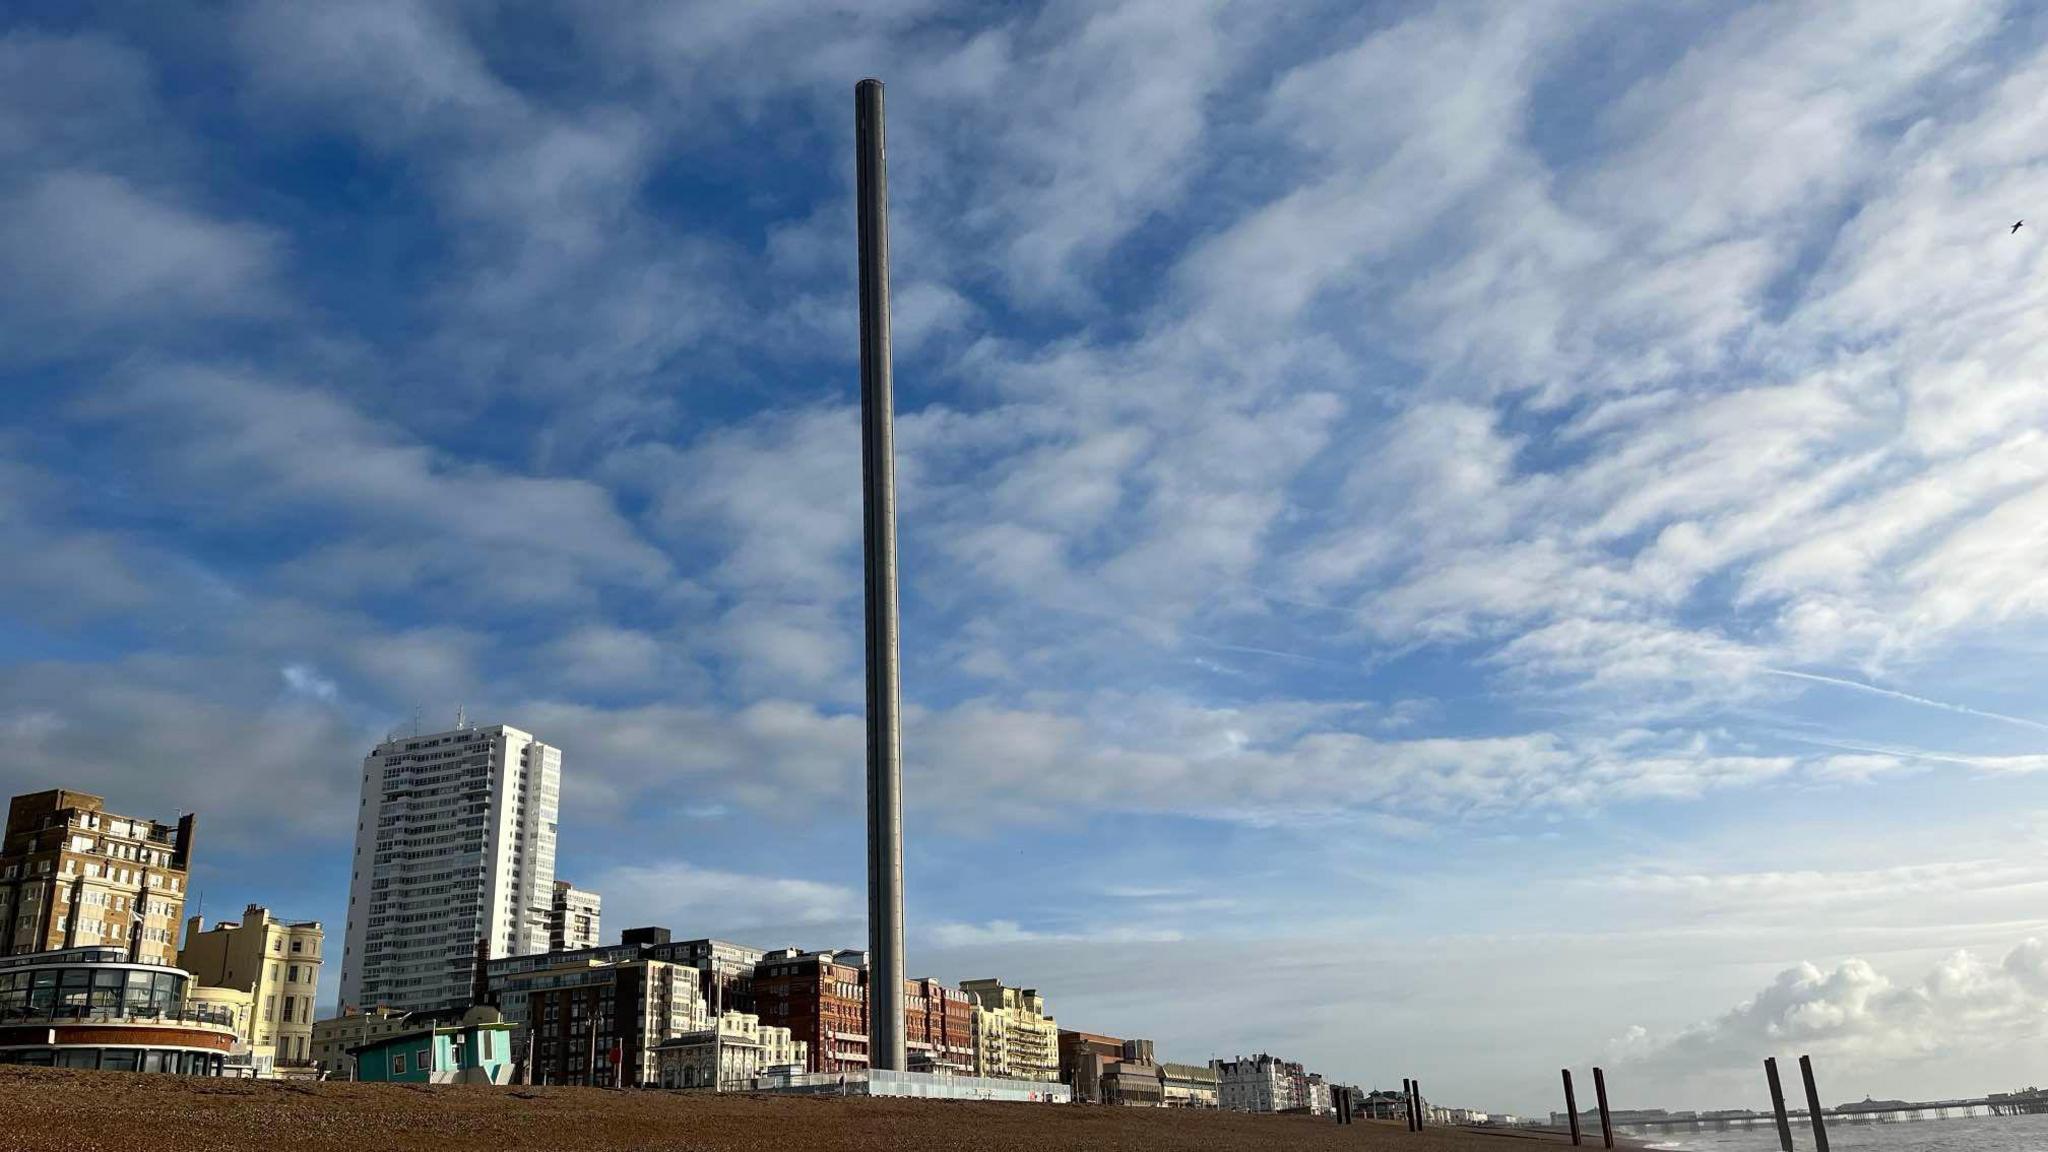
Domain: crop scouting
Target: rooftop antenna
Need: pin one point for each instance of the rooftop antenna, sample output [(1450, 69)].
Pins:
[(415, 719), (461, 722)]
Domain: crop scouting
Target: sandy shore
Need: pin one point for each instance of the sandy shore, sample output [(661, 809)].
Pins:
[(120, 1112)]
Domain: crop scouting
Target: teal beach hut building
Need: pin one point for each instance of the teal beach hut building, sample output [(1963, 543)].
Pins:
[(476, 1051)]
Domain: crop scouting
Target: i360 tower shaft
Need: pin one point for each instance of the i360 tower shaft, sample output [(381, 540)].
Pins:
[(885, 689)]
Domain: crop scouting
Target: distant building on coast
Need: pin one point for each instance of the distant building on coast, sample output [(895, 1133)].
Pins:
[(573, 918), (74, 875), (1266, 1083), (455, 844), (1188, 1086), (1111, 1070), (277, 964)]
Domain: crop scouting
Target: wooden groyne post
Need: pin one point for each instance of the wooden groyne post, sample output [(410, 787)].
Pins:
[(1606, 1118), (1820, 1120), (1571, 1105), (1778, 1103)]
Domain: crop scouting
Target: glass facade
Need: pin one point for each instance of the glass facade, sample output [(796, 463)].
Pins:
[(77, 993), (88, 991), (173, 1061)]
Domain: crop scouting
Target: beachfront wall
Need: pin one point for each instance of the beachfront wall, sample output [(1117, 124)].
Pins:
[(924, 1085)]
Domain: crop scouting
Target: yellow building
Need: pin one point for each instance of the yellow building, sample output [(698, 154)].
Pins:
[(277, 963), (1014, 1039)]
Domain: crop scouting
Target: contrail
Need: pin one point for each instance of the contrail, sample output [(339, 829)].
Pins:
[(1908, 697)]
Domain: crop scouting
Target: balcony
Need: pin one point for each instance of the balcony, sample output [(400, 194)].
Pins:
[(190, 1014)]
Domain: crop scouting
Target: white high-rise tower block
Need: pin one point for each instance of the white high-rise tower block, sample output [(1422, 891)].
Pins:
[(455, 842)]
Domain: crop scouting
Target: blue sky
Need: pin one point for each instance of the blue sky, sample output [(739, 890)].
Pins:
[(1438, 540)]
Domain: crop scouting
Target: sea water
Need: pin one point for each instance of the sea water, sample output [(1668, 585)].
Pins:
[(1963, 1134)]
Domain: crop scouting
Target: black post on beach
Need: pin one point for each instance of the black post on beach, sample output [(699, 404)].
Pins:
[(1606, 1118), (1421, 1116), (1778, 1103), (1408, 1103), (1820, 1120), (1571, 1105)]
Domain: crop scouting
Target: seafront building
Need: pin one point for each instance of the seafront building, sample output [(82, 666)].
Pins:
[(74, 875), (94, 1008), (573, 918), (474, 1049), (598, 1023), (1014, 1037), (1110, 1070), (1265, 1083), (335, 1036), (276, 964), (938, 1028), (454, 855), (1188, 1086), (734, 1055), (822, 998)]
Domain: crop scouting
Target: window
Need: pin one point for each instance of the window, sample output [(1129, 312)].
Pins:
[(297, 945), (423, 1060), (270, 1007), (291, 974), (398, 1064)]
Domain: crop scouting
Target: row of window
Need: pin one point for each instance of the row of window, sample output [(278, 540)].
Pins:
[(173, 1061)]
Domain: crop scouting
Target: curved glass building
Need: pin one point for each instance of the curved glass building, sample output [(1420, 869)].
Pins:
[(93, 1008)]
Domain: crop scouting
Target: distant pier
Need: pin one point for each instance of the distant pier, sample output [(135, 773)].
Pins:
[(2030, 1102)]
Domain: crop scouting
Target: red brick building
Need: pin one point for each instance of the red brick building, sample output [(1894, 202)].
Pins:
[(938, 1027), (822, 998)]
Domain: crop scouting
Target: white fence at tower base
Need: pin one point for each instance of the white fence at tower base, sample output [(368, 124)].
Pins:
[(923, 1085)]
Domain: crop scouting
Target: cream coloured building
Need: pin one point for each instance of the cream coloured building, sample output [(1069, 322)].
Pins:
[(277, 963), (728, 1057), (243, 1059), (333, 1037), (1014, 1038)]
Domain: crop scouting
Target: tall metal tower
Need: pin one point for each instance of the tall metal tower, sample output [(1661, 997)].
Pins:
[(885, 690)]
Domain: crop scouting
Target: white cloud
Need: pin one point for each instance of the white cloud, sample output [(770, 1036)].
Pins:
[(693, 901), (307, 681), (255, 450), (92, 245), (1853, 1016)]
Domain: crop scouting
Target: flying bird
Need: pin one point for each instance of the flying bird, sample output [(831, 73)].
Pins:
[(2016, 226)]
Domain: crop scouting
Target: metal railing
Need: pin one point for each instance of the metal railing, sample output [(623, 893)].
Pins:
[(123, 1014)]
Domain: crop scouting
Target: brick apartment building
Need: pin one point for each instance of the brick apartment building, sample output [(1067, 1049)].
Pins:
[(74, 875), (822, 998), (938, 1027), (599, 1025), (1109, 1070)]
